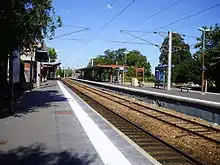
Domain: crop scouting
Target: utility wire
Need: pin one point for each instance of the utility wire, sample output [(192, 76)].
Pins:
[(117, 15), (180, 20), (113, 2), (156, 13), (111, 5), (151, 43), (124, 42), (75, 39), (110, 21), (164, 9), (187, 17), (79, 27), (70, 33), (174, 22)]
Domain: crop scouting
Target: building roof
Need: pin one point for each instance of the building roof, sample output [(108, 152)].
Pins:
[(50, 64), (97, 67)]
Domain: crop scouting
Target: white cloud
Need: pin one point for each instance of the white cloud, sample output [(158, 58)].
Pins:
[(68, 11)]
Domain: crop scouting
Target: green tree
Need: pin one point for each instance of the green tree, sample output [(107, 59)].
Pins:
[(52, 54), (136, 59), (211, 53), (121, 56), (181, 57), (23, 23), (68, 72), (59, 71)]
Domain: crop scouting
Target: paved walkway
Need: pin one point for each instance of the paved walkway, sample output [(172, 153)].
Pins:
[(39, 133), (53, 126)]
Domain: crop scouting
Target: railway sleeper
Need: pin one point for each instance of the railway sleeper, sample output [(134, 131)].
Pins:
[(132, 133), (177, 160), (153, 149), (153, 144), (167, 154), (144, 141)]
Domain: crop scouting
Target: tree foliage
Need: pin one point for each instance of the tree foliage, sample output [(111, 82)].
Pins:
[(187, 67), (181, 58), (121, 56), (211, 54), (24, 22), (52, 54)]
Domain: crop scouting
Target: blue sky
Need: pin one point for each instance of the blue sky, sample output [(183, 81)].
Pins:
[(94, 14)]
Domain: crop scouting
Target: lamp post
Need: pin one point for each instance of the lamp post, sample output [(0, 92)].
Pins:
[(203, 58), (169, 62), (125, 63)]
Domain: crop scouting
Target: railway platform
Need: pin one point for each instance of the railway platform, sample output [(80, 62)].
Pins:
[(52, 125), (211, 100)]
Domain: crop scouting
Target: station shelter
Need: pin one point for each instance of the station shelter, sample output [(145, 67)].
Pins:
[(103, 73), (137, 70), (48, 70), (160, 75)]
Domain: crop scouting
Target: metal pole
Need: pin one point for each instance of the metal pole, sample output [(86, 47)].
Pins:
[(63, 72), (123, 77), (31, 70), (203, 62), (169, 61), (11, 83), (92, 62), (38, 74)]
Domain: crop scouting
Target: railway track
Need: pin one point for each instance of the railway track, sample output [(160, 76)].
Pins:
[(204, 131), (156, 147)]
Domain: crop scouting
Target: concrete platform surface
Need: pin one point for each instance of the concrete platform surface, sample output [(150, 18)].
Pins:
[(209, 99), (52, 125), (215, 97)]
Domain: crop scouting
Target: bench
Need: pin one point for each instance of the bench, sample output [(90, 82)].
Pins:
[(185, 88)]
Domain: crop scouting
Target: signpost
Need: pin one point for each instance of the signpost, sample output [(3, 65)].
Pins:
[(16, 67)]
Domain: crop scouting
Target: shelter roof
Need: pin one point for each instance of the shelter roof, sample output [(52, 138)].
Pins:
[(97, 67)]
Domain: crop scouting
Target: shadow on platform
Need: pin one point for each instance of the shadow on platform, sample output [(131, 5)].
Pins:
[(33, 101), (37, 154)]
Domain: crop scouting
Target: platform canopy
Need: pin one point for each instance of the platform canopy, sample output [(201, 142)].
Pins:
[(50, 64), (100, 67)]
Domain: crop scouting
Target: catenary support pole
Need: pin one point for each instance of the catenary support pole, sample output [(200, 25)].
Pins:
[(169, 61)]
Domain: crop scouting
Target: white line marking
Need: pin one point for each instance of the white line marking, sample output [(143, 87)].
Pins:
[(107, 151), (139, 149)]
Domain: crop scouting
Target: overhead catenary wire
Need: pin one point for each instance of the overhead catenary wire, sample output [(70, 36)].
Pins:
[(174, 22), (74, 39), (179, 20), (156, 13), (149, 42), (117, 15), (164, 9), (124, 42), (111, 4), (67, 34), (79, 27), (111, 20), (187, 17)]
